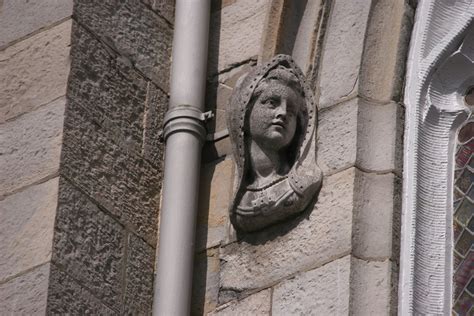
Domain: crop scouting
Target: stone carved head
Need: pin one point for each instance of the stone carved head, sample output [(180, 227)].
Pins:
[(272, 124)]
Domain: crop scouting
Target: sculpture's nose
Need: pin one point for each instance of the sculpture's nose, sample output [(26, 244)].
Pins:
[(281, 110)]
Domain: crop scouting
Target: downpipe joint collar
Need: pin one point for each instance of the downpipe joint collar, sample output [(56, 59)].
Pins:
[(185, 118)]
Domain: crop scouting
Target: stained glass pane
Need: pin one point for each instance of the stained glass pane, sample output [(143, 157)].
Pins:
[(463, 228)]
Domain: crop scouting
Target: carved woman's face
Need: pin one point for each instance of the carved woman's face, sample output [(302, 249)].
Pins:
[(272, 122)]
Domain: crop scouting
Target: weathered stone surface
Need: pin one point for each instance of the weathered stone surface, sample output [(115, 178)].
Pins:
[(256, 304), (26, 228), (34, 71), (142, 37), (205, 282), (139, 277), (386, 41), (342, 51), (322, 291), (19, 18), (26, 294), (313, 239), (156, 105), (66, 296), (122, 182), (30, 147), (379, 137), (215, 150), (214, 198), (163, 7), (370, 287), (111, 92), (337, 137), (89, 245), (373, 215), (239, 35)]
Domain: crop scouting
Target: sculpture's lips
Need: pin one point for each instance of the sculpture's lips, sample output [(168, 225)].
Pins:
[(279, 123)]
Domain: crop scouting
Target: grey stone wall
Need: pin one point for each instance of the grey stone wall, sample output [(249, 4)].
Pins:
[(84, 88), (342, 256), (110, 174), (34, 66)]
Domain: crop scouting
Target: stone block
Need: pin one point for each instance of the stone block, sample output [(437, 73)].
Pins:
[(373, 215), (310, 240), (215, 150), (26, 294), (165, 8), (111, 92), (379, 137), (214, 199), (370, 287), (255, 304), (155, 108), (238, 37), (89, 245), (141, 37), (67, 297), (122, 182), (342, 51), (19, 18), (35, 70), (337, 137), (322, 291), (30, 147), (205, 282), (139, 277), (385, 50), (26, 228)]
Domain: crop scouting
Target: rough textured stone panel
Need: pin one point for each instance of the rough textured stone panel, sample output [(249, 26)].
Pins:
[(373, 216), (386, 41), (26, 228), (142, 37), (139, 277), (205, 282), (111, 92), (26, 294), (34, 71), (307, 242), (370, 287), (19, 18), (378, 138), (322, 291), (30, 147), (337, 137), (122, 182), (239, 35), (156, 105), (214, 199), (66, 296), (255, 304), (163, 7), (89, 244), (342, 50)]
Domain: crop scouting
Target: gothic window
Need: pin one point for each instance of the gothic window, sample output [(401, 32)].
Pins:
[(463, 222)]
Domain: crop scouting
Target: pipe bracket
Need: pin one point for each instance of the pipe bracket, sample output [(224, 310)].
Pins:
[(185, 118)]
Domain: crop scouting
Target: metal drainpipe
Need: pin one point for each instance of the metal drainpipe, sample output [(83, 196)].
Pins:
[(184, 133)]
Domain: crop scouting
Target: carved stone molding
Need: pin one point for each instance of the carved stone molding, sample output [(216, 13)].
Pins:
[(440, 70), (272, 120)]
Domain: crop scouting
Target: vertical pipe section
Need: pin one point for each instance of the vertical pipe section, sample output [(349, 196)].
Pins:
[(184, 134)]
